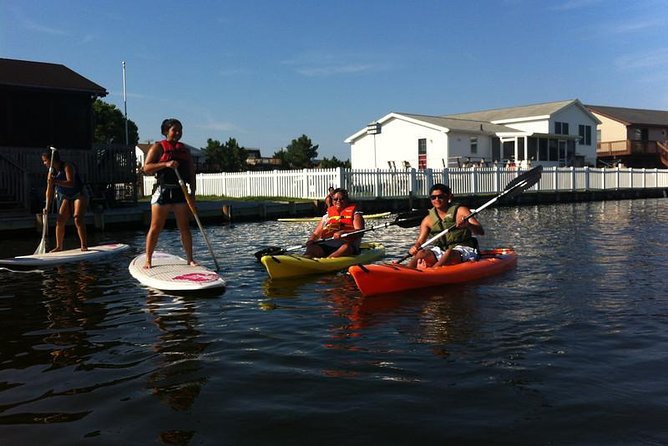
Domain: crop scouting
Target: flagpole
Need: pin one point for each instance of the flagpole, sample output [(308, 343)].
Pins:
[(125, 106)]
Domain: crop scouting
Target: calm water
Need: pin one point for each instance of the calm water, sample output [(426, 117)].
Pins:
[(570, 348)]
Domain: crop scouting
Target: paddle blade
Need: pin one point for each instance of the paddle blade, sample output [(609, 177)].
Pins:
[(523, 182), (41, 248), (410, 219)]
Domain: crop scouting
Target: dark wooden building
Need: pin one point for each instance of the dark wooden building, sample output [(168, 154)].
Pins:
[(46, 104)]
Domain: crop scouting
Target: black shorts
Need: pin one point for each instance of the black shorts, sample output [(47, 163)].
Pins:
[(168, 195), (331, 246)]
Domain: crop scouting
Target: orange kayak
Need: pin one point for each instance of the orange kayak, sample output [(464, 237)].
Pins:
[(390, 278)]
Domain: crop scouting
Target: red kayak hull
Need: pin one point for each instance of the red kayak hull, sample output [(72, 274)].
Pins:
[(391, 278)]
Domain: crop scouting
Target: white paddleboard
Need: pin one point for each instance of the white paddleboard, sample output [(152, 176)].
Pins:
[(172, 273), (94, 253)]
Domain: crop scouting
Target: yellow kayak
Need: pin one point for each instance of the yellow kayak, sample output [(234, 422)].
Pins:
[(286, 265), (303, 219)]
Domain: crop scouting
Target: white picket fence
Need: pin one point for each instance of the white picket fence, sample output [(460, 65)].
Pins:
[(377, 183)]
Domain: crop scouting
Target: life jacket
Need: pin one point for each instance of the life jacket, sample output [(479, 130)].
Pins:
[(339, 221), (69, 192), (173, 152), (455, 236)]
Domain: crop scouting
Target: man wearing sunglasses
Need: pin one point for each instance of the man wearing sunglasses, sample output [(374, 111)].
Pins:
[(342, 217), (458, 244)]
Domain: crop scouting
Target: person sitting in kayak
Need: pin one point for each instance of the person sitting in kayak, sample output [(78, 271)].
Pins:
[(458, 244), (342, 217)]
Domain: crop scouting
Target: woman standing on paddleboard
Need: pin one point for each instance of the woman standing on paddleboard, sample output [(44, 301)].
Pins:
[(71, 197), (162, 159)]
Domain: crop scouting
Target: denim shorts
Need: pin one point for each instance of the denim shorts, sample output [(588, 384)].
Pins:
[(168, 195)]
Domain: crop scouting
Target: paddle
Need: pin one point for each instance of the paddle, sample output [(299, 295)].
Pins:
[(193, 209), (41, 248), (512, 189), (404, 220)]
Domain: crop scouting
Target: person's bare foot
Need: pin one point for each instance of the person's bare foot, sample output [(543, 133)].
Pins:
[(193, 263), (56, 249), (147, 265), (84, 248)]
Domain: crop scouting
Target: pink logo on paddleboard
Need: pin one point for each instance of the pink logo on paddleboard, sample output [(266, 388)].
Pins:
[(198, 277)]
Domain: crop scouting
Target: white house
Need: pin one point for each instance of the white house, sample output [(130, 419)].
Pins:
[(552, 134)]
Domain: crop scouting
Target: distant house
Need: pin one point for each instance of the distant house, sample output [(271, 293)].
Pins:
[(631, 136), (551, 134), (256, 161)]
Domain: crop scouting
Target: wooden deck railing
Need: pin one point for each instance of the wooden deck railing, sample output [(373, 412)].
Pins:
[(14, 183), (109, 169), (626, 147)]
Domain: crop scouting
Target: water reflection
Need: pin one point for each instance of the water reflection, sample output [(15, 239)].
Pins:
[(179, 377)]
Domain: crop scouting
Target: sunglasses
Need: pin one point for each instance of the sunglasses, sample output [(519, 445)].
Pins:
[(437, 197)]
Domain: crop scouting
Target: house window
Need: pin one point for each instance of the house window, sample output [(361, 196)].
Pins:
[(640, 134), (554, 150), (542, 149), (532, 148), (422, 153), (474, 144), (585, 134), (561, 128), (422, 146)]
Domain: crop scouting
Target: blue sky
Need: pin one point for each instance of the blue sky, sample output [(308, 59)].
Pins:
[(267, 71)]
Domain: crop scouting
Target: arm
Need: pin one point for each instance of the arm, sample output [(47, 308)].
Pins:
[(425, 227), (472, 223), (152, 164), (49, 191), (69, 177), (316, 233), (358, 223)]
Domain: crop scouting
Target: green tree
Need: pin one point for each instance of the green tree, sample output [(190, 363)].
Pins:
[(299, 154), (280, 155), (327, 163), (110, 125), (228, 157)]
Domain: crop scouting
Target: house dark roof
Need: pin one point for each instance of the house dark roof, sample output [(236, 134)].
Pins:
[(510, 113), (632, 115), (468, 125), (45, 76)]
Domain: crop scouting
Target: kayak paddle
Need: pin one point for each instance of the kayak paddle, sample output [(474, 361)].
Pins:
[(193, 209), (41, 248), (404, 220), (512, 189)]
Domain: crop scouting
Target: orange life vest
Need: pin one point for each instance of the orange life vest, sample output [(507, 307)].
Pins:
[(339, 221)]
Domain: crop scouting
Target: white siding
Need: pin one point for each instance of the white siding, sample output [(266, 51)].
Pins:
[(534, 126), (397, 142), (575, 117)]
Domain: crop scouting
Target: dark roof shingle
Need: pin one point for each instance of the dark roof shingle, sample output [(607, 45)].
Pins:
[(45, 76), (632, 115)]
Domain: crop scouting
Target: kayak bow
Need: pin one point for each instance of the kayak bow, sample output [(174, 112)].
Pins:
[(390, 277), (283, 266)]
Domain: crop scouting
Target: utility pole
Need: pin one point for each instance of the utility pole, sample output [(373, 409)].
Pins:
[(125, 106)]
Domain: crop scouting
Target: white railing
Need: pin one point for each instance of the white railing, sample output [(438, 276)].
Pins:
[(377, 183)]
